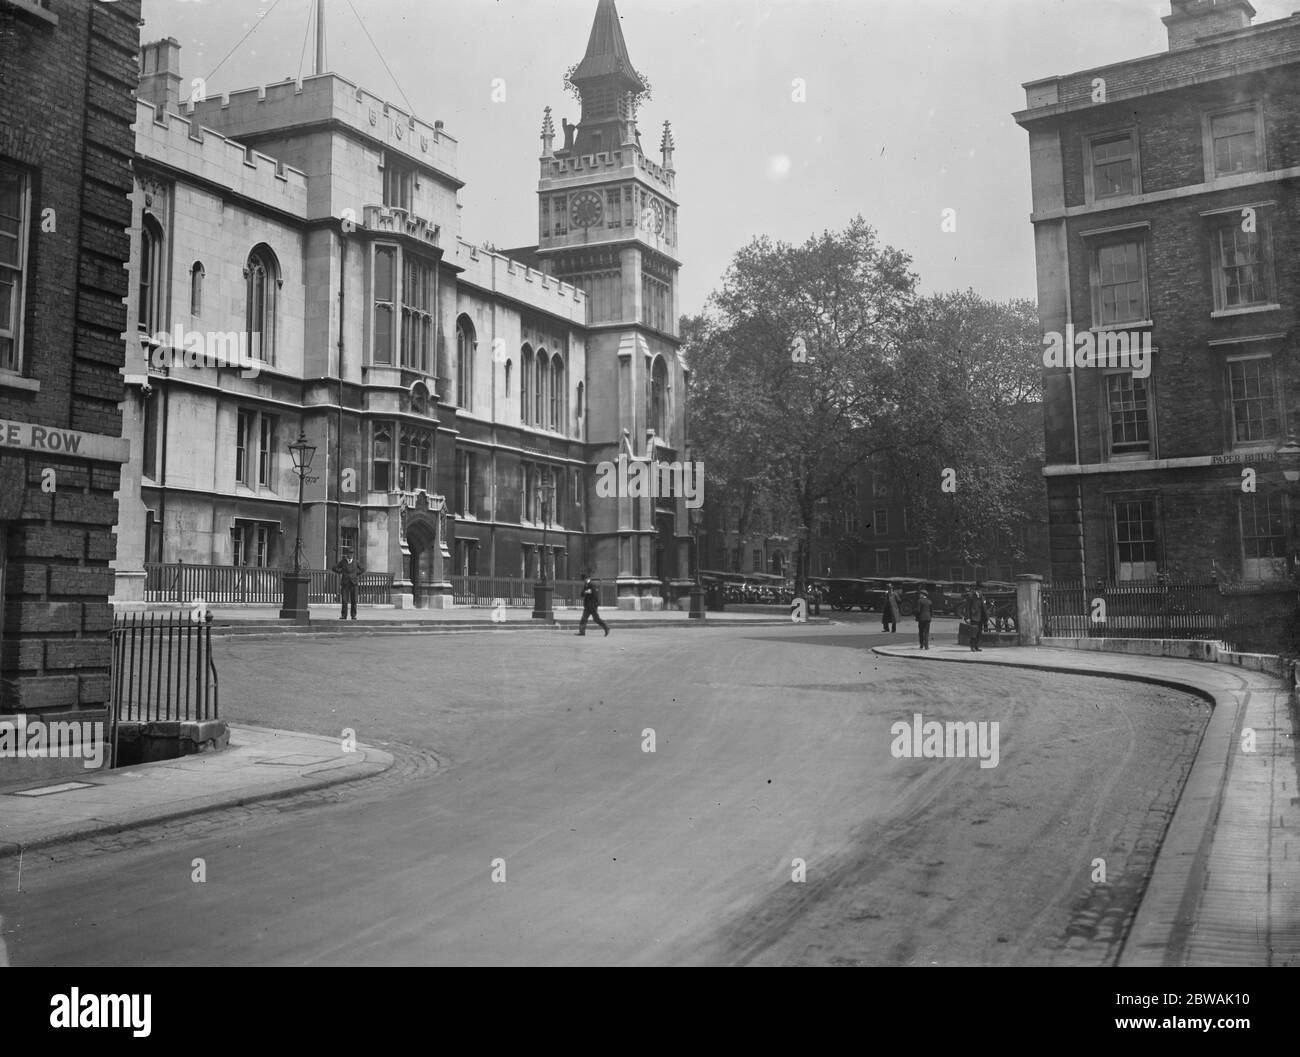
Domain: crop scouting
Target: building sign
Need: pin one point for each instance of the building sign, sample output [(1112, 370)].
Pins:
[(1243, 456), (1235, 458), (55, 440)]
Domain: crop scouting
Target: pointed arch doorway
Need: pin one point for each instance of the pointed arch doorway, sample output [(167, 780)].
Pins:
[(423, 569)]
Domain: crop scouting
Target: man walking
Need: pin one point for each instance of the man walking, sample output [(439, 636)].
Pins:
[(977, 615), (924, 613), (889, 610), (349, 570), (590, 600)]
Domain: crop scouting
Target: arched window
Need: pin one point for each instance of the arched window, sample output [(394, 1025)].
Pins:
[(557, 394), (465, 346), (419, 398), (197, 274), (577, 418), (509, 370), (525, 383), (659, 398), (263, 276), (151, 258), (543, 387)]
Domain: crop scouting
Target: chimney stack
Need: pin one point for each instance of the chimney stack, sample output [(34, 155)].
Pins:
[(1189, 20), (160, 74)]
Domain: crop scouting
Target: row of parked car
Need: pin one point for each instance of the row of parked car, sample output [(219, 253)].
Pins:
[(868, 595), (757, 589), (846, 594)]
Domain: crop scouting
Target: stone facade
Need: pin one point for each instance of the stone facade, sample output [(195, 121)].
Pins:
[(443, 385), (1166, 214)]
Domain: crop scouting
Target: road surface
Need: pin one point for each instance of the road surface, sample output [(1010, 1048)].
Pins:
[(526, 823)]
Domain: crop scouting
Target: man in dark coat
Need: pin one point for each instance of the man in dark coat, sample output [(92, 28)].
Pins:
[(924, 614), (977, 615), (349, 570), (590, 600), (889, 610)]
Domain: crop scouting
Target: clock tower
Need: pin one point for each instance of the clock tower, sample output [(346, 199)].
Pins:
[(608, 225)]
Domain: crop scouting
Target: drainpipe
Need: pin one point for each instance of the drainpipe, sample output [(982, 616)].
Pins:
[(492, 530), (165, 388), (338, 425), (1074, 396)]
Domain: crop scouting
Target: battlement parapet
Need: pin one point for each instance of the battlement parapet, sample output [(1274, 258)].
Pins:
[(181, 143), (630, 160), (393, 220), (326, 97), (501, 274)]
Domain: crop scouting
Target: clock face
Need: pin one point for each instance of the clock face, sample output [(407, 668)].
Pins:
[(586, 209), (652, 216)]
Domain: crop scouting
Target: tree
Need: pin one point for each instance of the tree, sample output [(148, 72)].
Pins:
[(795, 369), (970, 406)]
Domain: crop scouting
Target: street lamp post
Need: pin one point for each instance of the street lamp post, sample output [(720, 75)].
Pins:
[(696, 515), (296, 583), (544, 590)]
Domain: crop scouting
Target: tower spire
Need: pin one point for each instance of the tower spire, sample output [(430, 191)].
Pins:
[(606, 50), (608, 85)]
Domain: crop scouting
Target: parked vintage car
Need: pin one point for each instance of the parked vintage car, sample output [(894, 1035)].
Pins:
[(953, 594), (845, 594), (764, 589), (911, 588)]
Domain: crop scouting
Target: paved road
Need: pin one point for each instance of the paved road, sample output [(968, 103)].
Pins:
[(771, 745)]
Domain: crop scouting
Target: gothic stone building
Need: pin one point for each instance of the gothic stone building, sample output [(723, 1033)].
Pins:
[(1166, 216), (461, 401)]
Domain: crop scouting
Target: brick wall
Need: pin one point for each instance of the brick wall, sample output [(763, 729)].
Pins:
[(1198, 520), (66, 107)]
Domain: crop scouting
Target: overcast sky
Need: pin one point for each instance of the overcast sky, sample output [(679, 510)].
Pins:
[(908, 109)]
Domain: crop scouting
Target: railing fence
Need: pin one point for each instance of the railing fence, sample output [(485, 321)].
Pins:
[(161, 669), (1139, 609), (252, 585), (517, 592)]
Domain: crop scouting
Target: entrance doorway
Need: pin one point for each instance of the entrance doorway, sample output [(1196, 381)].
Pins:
[(421, 541)]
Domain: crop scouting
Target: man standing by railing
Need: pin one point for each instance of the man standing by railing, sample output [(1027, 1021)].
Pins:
[(977, 615), (350, 571)]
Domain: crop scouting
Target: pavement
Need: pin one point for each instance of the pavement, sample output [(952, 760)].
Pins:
[(259, 764), (378, 620), (1225, 890)]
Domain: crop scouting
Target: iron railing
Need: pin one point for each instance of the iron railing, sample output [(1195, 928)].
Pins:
[(517, 592), (1139, 609), (373, 589), (252, 585), (161, 669)]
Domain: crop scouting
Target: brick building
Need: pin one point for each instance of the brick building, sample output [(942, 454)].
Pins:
[(1166, 216), (460, 400), (67, 73)]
